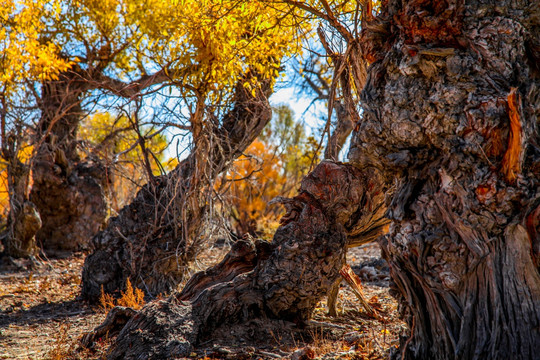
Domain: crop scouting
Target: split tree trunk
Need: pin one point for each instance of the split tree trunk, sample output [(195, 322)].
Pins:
[(155, 237), (346, 112), (451, 111), (283, 279)]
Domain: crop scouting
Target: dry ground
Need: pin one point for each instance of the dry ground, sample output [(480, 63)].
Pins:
[(41, 317)]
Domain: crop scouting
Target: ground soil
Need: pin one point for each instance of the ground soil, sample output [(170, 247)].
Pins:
[(42, 318)]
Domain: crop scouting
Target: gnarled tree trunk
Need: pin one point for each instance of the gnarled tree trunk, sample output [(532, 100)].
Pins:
[(155, 237), (69, 194), (23, 221), (283, 279), (451, 119)]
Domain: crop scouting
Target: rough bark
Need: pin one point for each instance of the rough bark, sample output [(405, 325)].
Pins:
[(450, 118), (24, 221), (69, 194), (155, 237), (284, 279)]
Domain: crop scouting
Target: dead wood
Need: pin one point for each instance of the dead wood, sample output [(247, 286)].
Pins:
[(356, 285), (114, 322)]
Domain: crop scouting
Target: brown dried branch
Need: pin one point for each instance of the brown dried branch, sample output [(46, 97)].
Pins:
[(356, 285)]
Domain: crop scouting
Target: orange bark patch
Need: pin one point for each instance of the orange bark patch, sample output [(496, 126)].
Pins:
[(485, 192), (511, 164), (367, 9), (495, 145), (482, 190)]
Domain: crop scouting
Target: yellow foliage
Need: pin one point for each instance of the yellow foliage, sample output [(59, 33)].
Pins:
[(4, 194), (205, 46), (211, 43), (112, 135), (26, 54), (106, 301)]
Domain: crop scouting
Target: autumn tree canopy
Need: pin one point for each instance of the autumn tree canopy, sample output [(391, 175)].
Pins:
[(273, 165)]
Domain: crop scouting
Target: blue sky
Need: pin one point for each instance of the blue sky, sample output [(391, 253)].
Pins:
[(310, 116)]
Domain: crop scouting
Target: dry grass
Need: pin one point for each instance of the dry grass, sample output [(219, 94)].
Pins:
[(40, 315), (131, 297), (60, 348)]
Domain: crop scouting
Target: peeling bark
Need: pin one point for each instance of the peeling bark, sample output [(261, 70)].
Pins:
[(451, 109)]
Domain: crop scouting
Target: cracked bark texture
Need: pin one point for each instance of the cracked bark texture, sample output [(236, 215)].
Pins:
[(156, 236), (283, 279), (451, 109)]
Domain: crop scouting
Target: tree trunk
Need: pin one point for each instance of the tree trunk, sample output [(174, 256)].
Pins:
[(284, 279), (23, 219), (451, 109), (70, 194), (155, 237)]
